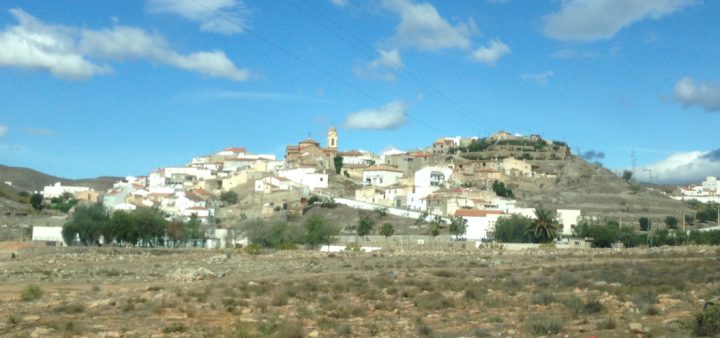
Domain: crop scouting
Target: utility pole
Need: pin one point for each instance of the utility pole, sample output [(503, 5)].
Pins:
[(650, 175)]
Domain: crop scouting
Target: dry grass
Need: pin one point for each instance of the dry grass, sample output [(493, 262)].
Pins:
[(293, 294)]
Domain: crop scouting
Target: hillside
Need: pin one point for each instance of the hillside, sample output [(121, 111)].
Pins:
[(596, 191), (26, 179)]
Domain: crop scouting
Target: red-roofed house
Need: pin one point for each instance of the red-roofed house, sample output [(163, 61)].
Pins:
[(381, 176), (479, 222)]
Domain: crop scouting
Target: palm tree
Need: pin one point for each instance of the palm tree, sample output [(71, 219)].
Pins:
[(544, 227)]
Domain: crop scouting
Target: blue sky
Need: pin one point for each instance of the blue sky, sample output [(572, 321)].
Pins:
[(122, 87)]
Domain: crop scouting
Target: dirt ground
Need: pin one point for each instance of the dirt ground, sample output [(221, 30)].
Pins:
[(119, 292)]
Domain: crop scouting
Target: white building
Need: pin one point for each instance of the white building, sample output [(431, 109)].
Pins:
[(358, 157), (432, 177), (479, 222), (48, 234), (271, 184), (306, 176), (57, 190), (568, 218), (381, 176), (711, 185)]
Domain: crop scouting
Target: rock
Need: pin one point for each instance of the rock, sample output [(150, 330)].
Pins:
[(251, 283), (600, 283), (670, 320), (314, 333), (191, 275), (635, 327)]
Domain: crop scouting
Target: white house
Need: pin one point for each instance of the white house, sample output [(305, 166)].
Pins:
[(427, 181), (568, 218), (199, 212), (711, 185), (381, 176), (305, 176), (391, 196), (479, 222), (357, 157), (235, 151), (432, 176), (198, 173), (270, 184), (48, 234), (57, 189)]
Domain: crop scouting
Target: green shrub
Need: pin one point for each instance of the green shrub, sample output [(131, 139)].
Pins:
[(544, 325), (707, 322), (592, 306), (253, 249), (175, 328), (30, 293)]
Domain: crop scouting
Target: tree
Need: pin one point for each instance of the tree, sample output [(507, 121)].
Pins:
[(149, 222), (278, 234), (458, 227), (87, 223), (671, 222), (36, 200), (229, 197), (513, 229), (644, 224), (319, 231), (501, 190), (689, 219), (434, 229), (387, 230), (314, 199), (544, 226), (627, 175), (338, 161), (365, 226)]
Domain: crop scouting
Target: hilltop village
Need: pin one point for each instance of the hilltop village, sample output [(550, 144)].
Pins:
[(452, 177)]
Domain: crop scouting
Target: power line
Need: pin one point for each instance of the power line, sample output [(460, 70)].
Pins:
[(317, 68), (406, 75)]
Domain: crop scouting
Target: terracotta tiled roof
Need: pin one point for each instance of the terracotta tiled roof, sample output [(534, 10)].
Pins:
[(235, 150)]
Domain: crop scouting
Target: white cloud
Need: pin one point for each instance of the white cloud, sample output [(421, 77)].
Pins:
[(219, 16), (388, 59), (66, 51), (382, 68), (3, 131), (684, 167), (34, 45), (491, 53), (705, 95), (422, 27), (539, 78), (390, 116), (589, 20), (340, 3), (123, 42)]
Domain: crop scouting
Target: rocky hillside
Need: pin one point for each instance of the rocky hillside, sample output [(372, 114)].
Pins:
[(596, 191)]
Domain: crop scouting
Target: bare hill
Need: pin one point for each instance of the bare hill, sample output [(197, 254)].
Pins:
[(32, 180), (596, 191)]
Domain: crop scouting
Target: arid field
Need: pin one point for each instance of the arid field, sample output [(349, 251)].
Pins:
[(118, 292)]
